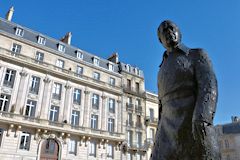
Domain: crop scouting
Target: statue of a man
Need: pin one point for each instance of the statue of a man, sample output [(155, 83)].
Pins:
[(187, 91)]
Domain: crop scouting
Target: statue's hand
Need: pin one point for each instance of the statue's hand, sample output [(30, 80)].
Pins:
[(199, 130)]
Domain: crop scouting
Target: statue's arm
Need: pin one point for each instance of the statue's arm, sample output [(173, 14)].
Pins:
[(206, 91)]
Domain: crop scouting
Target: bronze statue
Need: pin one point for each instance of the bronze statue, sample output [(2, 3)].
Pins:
[(187, 91)]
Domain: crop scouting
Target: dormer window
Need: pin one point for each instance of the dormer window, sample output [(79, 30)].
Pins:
[(128, 67), (19, 31), (41, 40), (96, 61), (61, 47), (110, 67), (79, 55), (137, 71)]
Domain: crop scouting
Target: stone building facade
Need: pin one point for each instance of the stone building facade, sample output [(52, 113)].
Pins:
[(229, 139), (60, 102)]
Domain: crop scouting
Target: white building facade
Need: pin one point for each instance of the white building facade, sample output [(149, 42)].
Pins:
[(60, 102)]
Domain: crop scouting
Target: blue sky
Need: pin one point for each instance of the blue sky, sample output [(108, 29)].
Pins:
[(129, 28)]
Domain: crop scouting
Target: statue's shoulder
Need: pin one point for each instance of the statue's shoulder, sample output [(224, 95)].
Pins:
[(198, 53)]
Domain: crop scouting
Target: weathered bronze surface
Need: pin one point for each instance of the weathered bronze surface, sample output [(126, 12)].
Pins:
[(187, 90)]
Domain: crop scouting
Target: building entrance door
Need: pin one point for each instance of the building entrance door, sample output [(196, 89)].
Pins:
[(49, 150)]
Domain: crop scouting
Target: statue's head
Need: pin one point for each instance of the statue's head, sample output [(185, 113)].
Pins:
[(169, 34)]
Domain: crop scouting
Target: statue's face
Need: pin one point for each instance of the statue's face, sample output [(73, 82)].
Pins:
[(169, 35)]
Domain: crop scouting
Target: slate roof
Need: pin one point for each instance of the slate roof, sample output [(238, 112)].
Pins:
[(51, 43)]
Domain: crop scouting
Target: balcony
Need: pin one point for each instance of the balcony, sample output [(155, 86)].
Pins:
[(33, 122), (150, 141), (133, 91), (6, 55), (138, 146), (151, 121), (138, 109), (129, 106), (139, 125), (129, 123)]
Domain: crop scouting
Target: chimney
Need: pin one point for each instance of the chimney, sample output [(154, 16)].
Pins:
[(114, 58), (67, 38), (10, 14)]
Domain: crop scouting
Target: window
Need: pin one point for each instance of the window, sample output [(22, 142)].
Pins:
[(137, 71), (56, 92), (138, 102), (96, 75), (9, 78), (19, 32), (60, 63), (111, 105), (128, 67), (151, 111), (95, 101), (129, 119), (226, 143), (25, 141), (138, 123), (50, 146), (96, 61), (77, 96), (139, 139), (92, 149), (41, 40), (94, 121), (151, 134), (4, 102), (129, 156), (75, 118), (61, 47), (16, 48), (129, 138), (35, 82), (30, 108), (79, 55), (110, 125), (72, 147), (110, 151), (110, 67), (79, 70), (112, 81), (129, 84), (139, 157), (39, 57), (1, 135), (129, 100), (137, 87), (54, 112)]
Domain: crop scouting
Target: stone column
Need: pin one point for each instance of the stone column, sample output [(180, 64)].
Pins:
[(21, 94), (86, 108), (46, 98), (67, 103), (103, 118)]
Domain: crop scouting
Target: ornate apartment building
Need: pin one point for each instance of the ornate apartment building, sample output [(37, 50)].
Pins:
[(229, 139), (60, 102)]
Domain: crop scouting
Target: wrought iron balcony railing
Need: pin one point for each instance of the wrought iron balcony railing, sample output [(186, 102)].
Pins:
[(129, 106), (33, 121)]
